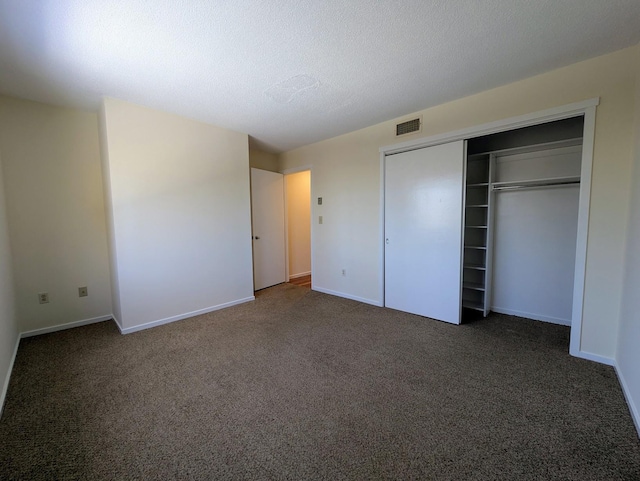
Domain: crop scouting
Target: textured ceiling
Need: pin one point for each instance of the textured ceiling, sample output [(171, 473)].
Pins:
[(292, 72)]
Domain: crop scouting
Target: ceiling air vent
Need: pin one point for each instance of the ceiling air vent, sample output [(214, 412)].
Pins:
[(408, 127)]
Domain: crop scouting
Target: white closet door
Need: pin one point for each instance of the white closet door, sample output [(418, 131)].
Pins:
[(267, 218), (423, 231)]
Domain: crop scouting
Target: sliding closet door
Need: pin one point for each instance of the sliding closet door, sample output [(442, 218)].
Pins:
[(423, 231)]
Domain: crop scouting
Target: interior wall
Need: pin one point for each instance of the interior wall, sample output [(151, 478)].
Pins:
[(534, 253), (8, 319), (181, 214), (263, 160), (628, 356), (298, 195), (55, 210), (346, 173)]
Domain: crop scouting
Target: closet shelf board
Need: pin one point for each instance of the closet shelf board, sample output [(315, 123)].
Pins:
[(476, 286), (478, 267), (534, 182), (473, 305)]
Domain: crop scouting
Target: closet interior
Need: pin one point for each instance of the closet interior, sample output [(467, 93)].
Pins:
[(521, 198)]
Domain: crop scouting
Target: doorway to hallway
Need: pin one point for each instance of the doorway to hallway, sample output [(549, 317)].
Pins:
[(298, 227)]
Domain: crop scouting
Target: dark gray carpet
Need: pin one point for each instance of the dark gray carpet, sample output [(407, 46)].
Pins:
[(299, 385)]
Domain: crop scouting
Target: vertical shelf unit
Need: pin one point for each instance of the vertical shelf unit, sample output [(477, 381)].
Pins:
[(476, 275)]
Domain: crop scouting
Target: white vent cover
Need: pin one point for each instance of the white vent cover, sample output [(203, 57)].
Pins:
[(409, 127)]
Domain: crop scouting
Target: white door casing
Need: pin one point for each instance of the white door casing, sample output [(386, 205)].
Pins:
[(268, 229), (424, 192)]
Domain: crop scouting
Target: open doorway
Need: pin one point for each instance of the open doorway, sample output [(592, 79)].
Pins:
[(297, 186)]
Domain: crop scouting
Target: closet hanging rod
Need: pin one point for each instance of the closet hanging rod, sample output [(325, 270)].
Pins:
[(533, 185)]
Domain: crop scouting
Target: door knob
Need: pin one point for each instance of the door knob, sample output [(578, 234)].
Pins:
[(257, 238)]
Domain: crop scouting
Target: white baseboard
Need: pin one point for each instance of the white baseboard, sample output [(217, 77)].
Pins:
[(62, 327), (186, 315), (115, 319), (302, 274), (7, 378), (635, 413), (346, 296), (530, 315)]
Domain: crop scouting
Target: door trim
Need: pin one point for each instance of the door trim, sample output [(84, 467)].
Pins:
[(587, 109)]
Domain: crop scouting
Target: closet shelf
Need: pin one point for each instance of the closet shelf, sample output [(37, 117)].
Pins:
[(484, 248), (475, 206), (476, 286), (532, 148), (478, 267), (481, 184), (480, 156), (518, 184), (475, 226), (476, 306)]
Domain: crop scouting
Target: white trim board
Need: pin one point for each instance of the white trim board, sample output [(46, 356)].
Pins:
[(532, 316), (186, 315), (119, 326), (302, 274), (7, 379), (633, 409), (381, 232), (346, 296), (63, 327), (595, 358), (584, 204), (587, 109)]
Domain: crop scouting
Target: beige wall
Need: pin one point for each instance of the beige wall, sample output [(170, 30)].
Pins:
[(298, 197), (180, 215), (263, 160), (628, 355), (8, 319), (55, 209), (346, 173)]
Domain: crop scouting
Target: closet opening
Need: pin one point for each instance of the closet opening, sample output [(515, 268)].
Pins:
[(489, 218), (520, 227)]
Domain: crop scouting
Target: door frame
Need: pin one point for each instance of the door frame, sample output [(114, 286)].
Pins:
[(586, 109), (285, 172)]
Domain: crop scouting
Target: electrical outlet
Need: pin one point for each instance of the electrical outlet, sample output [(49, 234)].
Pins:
[(43, 297), (320, 220), (319, 200), (83, 292), (344, 273)]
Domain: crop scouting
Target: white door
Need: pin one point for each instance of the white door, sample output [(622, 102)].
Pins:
[(267, 219), (423, 231)]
